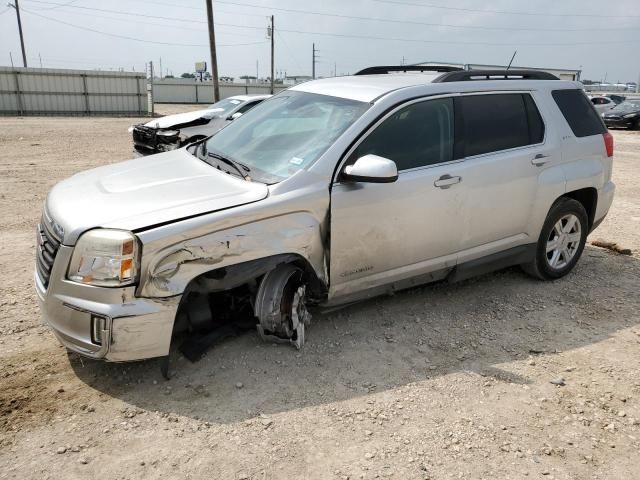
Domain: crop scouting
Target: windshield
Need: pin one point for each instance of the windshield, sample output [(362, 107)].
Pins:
[(286, 133), (628, 105), (224, 106)]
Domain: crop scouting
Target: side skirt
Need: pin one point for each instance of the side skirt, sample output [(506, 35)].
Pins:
[(491, 263)]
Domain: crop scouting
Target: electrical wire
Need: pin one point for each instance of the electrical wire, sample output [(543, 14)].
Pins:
[(351, 17), (286, 46), (339, 35), (125, 37), (163, 25), (424, 24), (504, 12)]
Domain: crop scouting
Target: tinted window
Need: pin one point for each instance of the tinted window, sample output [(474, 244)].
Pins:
[(248, 106), (491, 123), (579, 113), (536, 125), (417, 135)]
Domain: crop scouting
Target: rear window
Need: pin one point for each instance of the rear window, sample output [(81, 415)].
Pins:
[(491, 123), (578, 112)]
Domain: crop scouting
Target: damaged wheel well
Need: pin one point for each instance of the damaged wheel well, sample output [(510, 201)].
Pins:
[(249, 273)]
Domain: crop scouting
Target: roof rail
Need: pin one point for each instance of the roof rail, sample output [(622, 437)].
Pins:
[(469, 75), (406, 68)]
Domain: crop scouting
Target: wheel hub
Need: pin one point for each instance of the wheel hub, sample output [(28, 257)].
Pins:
[(563, 241)]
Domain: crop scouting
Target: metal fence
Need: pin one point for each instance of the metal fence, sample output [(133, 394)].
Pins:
[(50, 91), (174, 90)]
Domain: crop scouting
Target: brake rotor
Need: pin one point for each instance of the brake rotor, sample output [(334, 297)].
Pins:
[(281, 306)]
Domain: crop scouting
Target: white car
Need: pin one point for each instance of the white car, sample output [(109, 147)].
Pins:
[(602, 104), (175, 131)]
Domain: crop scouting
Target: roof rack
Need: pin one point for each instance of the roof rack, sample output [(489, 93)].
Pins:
[(406, 68), (469, 75)]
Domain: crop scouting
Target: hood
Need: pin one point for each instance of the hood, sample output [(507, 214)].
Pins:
[(171, 121), (146, 191), (620, 111)]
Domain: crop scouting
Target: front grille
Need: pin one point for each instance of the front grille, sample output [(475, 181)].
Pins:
[(46, 249)]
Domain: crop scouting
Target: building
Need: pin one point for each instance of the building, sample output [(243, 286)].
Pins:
[(561, 73)]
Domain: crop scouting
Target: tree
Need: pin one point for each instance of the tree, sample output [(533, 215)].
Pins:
[(187, 75)]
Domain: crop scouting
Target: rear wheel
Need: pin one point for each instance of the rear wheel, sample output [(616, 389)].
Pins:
[(561, 240)]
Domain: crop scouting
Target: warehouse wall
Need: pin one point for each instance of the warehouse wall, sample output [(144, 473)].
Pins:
[(174, 90), (52, 91)]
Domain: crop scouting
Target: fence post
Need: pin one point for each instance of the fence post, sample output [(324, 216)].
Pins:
[(85, 92), (197, 100), (16, 74), (139, 95)]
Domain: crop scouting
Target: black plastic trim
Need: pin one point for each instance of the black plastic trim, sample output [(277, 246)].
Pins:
[(475, 75), (381, 70), (491, 263)]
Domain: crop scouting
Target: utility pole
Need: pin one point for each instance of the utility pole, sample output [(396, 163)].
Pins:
[(160, 68), (40, 57), (150, 100), (16, 6), (272, 51), (11, 58), (212, 47), (313, 65)]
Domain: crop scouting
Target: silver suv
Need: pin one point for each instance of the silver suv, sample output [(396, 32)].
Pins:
[(333, 191)]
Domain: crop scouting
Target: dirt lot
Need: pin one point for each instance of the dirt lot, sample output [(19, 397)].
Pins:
[(438, 382)]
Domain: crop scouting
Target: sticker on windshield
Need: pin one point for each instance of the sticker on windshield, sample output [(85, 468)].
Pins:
[(296, 161)]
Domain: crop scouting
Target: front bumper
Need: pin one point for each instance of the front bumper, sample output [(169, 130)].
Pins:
[(147, 140), (135, 328), (619, 122)]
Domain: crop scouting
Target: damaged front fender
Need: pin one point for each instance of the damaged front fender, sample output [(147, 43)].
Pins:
[(173, 267)]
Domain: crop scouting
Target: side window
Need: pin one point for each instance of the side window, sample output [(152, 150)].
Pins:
[(243, 109), (579, 113), (495, 122), (415, 136), (536, 125)]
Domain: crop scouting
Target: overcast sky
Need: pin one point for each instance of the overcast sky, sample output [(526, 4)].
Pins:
[(601, 37)]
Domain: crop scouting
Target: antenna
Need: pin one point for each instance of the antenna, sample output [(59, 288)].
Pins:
[(511, 61)]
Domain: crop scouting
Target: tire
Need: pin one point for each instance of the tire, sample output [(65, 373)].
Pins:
[(636, 125), (561, 240)]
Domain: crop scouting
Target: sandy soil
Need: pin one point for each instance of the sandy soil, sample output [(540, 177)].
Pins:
[(444, 381)]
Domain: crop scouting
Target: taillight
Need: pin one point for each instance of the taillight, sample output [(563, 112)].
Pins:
[(608, 143)]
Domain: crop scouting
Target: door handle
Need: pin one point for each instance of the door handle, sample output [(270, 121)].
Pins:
[(539, 160), (445, 181)]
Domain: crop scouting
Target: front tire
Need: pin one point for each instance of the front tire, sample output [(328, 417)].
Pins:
[(561, 240)]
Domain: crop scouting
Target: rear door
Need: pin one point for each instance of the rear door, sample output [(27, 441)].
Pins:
[(505, 149)]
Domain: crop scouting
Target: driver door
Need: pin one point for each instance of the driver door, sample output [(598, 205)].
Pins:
[(382, 233)]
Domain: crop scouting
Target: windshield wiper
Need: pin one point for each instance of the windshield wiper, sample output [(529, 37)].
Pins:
[(239, 167)]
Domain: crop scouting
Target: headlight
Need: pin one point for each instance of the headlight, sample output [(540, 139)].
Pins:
[(167, 133), (130, 129), (630, 115), (105, 258)]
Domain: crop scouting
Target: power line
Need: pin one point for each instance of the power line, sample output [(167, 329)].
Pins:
[(337, 35), (286, 46), (60, 6), (355, 17), (424, 24), (446, 42), (134, 38), (504, 12), (163, 25)]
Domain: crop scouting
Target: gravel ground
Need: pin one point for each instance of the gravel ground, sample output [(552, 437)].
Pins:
[(501, 376)]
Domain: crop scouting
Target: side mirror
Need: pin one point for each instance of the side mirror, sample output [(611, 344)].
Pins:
[(371, 169), (234, 116)]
